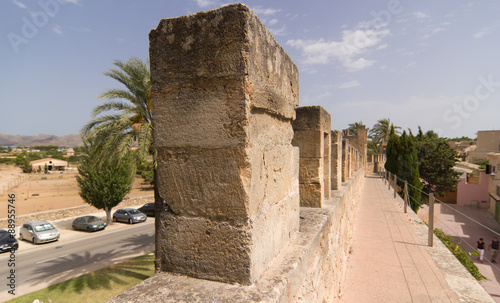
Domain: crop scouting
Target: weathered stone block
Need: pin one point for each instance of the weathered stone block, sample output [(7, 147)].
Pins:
[(312, 118), (312, 135), (202, 61), (311, 170), (311, 195), (224, 94), (309, 143), (336, 162)]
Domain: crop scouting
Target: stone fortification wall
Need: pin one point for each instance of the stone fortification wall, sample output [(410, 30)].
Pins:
[(310, 269), (228, 137), (312, 128), (375, 163), (224, 95)]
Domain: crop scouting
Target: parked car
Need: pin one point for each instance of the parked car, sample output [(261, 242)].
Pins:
[(130, 215), (38, 232), (88, 223), (149, 208), (7, 241)]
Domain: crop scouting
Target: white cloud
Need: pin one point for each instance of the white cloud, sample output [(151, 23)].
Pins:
[(81, 29), (433, 32), (204, 3), (262, 11), (411, 65), (420, 15), (278, 31), (19, 4), (273, 21), (58, 30), (485, 31), (348, 51), (349, 84), (76, 2)]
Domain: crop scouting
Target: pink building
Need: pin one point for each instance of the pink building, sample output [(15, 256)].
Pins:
[(473, 190)]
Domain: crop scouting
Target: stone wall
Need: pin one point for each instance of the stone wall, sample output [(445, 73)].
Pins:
[(312, 128), (375, 163), (224, 96), (336, 170), (309, 269)]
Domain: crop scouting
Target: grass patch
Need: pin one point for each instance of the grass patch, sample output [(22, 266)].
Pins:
[(460, 254), (98, 286)]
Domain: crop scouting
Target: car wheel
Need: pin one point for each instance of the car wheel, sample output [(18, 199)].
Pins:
[(89, 229), (74, 227), (130, 221), (34, 240), (114, 219)]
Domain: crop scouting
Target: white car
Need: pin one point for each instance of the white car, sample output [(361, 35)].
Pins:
[(38, 232)]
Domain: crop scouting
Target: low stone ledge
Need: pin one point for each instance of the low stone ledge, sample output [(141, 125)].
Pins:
[(315, 252)]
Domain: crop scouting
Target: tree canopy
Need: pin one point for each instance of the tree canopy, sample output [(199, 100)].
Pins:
[(104, 183), (436, 162)]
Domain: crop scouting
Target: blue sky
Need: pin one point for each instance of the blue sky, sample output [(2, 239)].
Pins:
[(428, 63)]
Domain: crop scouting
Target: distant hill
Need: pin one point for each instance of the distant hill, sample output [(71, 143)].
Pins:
[(41, 139)]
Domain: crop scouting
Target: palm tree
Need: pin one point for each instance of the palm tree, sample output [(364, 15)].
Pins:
[(129, 117), (353, 128), (382, 130), (125, 118)]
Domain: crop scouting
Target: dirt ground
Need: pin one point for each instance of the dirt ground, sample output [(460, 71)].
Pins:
[(42, 192)]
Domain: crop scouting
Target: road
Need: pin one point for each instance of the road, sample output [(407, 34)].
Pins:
[(51, 263)]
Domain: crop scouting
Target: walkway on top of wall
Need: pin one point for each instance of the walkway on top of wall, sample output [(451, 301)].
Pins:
[(390, 259)]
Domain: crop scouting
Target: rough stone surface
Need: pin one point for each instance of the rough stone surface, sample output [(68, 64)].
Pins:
[(224, 95), (309, 269), (336, 169), (312, 128)]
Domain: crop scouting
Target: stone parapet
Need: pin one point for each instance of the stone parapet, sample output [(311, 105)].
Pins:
[(312, 128), (224, 95), (336, 169), (310, 268)]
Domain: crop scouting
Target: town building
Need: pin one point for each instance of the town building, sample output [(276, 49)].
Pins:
[(52, 164)]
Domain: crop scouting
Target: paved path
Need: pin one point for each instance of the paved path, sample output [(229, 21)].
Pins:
[(389, 263)]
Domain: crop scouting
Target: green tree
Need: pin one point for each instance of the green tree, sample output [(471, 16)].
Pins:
[(353, 128), (381, 131), (436, 162), (402, 160), (125, 118), (104, 183)]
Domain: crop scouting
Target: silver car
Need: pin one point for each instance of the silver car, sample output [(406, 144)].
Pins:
[(130, 215), (38, 232)]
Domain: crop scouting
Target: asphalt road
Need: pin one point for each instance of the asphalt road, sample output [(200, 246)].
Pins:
[(51, 263)]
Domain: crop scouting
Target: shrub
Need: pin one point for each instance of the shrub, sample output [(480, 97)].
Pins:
[(460, 254)]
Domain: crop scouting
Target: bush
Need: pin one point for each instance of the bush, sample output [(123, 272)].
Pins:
[(460, 254)]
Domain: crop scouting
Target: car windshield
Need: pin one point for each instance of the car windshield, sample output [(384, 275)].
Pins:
[(92, 219), (42, 227), (4, 236), (133, 211)]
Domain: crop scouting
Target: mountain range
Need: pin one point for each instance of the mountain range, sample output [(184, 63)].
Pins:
[(40, 140)]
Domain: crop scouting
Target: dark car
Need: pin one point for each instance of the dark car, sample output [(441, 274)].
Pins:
[(7, 241), (88, 223), (130, 215), (149, 208)]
